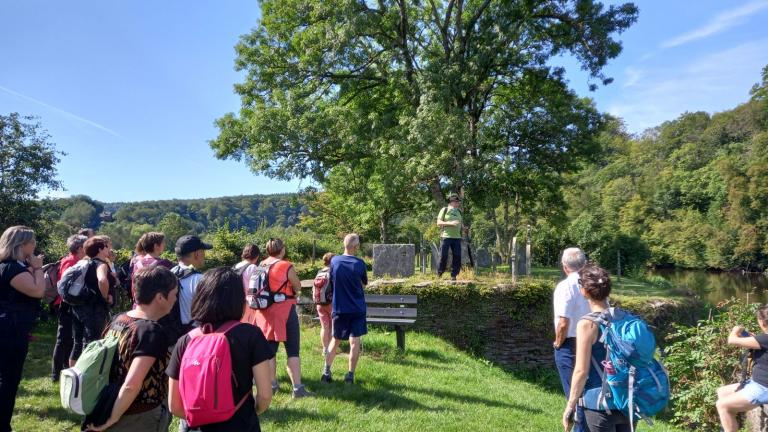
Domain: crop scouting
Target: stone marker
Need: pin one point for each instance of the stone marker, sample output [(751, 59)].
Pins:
[(482, 258), (396, 260)]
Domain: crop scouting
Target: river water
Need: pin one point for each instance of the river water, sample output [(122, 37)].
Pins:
[(716, 286)]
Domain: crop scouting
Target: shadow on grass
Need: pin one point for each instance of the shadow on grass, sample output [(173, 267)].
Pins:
[(384, 396), (286, 414), (545, 378), (43, 412), (464, 398)]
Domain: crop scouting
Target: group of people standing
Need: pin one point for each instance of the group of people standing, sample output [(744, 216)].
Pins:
[(169, 301)]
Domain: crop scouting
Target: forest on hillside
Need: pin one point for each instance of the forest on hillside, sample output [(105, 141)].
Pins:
[(125, 222), (692, 193)]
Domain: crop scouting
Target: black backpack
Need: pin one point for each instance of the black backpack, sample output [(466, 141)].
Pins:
[(171, 323)]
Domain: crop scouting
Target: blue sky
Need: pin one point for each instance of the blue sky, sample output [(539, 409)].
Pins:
[(133, 88)]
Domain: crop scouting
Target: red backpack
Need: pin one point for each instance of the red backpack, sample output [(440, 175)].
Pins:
[(206, 378), (322, 289)]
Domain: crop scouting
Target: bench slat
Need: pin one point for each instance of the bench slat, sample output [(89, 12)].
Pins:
[(381, 298), (391, 312), (394, 321)]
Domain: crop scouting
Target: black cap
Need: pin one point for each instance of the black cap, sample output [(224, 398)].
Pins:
[(453, 197), (190, 243)]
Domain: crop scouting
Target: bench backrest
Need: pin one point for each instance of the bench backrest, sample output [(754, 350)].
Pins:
[(398, 311)]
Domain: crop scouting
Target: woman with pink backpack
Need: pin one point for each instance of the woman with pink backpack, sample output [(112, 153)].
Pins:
[(213, 367)]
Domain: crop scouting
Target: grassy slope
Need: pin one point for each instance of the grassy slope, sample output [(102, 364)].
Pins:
[(433, 387)]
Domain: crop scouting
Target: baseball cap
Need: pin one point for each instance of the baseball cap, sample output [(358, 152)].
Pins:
[(190, 243), (453, 197)]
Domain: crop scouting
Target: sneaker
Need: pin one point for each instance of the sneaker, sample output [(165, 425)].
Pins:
[(349, 378), (326, 378), (301, 392), (275, 387)]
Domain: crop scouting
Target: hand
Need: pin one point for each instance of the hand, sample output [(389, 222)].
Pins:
[(36, 261), (736, 331), (568, 418), (103, 427)]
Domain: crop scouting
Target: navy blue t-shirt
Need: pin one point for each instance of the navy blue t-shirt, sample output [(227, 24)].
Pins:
[(348, 274)]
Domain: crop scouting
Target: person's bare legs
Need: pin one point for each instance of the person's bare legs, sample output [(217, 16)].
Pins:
[(331, 354), (729, 404), (325, 337), (354, 352), (294, 370)]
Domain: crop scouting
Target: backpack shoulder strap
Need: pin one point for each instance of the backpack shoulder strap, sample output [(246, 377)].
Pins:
[(443, 212), (596, 317), (227, 326)]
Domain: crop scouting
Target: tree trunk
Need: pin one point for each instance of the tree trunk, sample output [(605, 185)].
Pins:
[(384, 232)]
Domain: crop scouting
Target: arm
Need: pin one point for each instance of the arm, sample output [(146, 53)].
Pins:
[(748, 342), (30, 284), (130, 389), (561, 331), (102, 275), (262, 374), (586, 334), (294, 280), (174, 398), (440, 222)]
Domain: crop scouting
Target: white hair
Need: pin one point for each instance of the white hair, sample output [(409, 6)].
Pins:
[(351, 240), (75, 242), (574, 259)]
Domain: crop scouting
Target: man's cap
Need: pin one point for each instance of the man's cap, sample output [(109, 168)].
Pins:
[(453, 197), (190, 243)]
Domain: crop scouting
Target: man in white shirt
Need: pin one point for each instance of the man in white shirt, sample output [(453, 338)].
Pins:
[(569, 307), (191, 252)]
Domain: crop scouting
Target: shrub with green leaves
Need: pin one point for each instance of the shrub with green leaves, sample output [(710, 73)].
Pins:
[(699, 361)]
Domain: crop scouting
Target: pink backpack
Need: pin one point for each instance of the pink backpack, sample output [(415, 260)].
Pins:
[(206, 377)]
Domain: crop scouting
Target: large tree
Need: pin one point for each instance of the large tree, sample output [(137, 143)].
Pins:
[(27, 166), (426, 83)]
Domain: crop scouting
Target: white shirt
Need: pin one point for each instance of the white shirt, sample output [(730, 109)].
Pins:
[(569, 303), (188, 289)]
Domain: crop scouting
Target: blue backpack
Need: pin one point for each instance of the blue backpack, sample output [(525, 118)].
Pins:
[(633, 381)]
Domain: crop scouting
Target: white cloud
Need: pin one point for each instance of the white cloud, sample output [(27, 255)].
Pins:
[(718, 23), (711, 83), (63, 112)]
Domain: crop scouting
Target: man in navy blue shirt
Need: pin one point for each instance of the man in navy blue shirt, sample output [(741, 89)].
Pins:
[(349, 276)]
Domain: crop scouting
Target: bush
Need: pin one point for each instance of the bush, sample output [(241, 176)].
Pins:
[(228, 244), (699, 361)]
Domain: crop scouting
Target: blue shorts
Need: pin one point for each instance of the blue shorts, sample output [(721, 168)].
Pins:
[(756, 394), (346, 325)]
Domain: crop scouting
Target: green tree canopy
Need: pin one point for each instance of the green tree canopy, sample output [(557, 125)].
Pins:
[(433, 86), (27, 166)]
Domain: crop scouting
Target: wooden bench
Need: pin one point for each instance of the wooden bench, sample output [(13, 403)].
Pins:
[(395, 313), (388, 310)]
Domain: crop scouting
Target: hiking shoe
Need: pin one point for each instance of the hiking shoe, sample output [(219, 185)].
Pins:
[(349, 378), (326, 378), (301, 392), (453, 278), (275, 387)]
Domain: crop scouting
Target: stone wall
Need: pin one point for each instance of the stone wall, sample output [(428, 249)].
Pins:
[(511, 325)]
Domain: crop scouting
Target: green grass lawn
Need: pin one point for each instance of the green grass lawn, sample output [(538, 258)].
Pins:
[(432, 387)]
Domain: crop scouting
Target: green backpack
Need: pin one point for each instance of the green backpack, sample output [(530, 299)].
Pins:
[(82, 384)]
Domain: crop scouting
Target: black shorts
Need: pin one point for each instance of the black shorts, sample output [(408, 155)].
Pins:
[(292, 336), (346, 325)]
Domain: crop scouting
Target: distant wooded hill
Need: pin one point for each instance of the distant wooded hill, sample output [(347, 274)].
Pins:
[(125, 222)]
